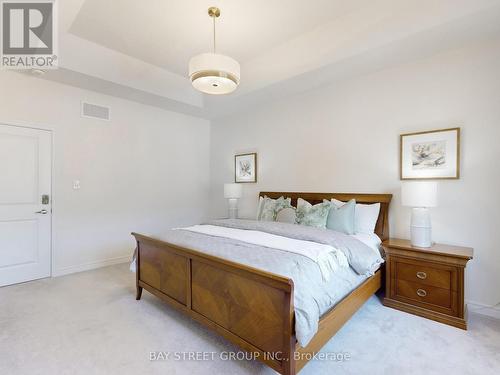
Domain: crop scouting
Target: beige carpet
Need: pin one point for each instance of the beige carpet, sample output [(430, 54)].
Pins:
[(90, 323)]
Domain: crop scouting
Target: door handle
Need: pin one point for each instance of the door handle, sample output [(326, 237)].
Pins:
[(42, 212)]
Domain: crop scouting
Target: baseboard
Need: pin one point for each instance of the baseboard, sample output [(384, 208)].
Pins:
[(91, 265), (479, 308)]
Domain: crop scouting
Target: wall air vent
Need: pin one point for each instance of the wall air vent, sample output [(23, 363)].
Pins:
[(95, 111)]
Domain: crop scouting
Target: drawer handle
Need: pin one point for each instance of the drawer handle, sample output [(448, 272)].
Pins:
[(421, 292), (422, 275)]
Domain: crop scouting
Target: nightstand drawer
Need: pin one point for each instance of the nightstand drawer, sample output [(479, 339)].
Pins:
[(425, 273), (424, 294)]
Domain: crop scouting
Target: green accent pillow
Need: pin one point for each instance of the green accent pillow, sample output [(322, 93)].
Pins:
[(271, 207), (313, 216), (341, 219)]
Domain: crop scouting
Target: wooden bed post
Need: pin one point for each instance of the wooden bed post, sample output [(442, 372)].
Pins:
[(289, 340), (138, 293)]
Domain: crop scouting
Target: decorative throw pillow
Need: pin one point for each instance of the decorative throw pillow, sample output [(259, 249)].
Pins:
[(313, 216), (271, 207), (365, 216), (286, 215), (341, 218)]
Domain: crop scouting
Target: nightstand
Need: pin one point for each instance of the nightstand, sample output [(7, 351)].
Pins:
[(428, 282)]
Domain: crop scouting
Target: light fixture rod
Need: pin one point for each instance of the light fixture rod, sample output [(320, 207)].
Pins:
[(214, 12), (214, 35)]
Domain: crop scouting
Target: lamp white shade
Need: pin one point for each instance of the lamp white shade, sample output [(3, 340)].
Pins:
[(419, 193), (232, 191), (213, 73)]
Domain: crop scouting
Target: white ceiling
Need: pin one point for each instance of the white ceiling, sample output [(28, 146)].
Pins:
[(140, 49), (169, 33)]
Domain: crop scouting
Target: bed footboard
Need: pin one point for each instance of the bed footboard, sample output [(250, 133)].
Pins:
[(251, 308)]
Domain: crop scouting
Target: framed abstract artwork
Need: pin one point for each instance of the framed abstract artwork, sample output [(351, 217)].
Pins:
[(430, 155), (245, 168)]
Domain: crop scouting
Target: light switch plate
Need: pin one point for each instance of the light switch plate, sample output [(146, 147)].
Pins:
[(76, 184)]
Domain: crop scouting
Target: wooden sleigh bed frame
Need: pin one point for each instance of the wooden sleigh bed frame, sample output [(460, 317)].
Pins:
[(249, 307)]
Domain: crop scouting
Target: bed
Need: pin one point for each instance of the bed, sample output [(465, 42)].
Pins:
[(250, 306)]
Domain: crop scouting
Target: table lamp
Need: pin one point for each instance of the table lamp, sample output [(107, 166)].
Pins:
[(232, 192), (420, 195)]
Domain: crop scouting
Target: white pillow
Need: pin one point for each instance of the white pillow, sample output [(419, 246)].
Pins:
[(259, 208), (286, 215), (365, 216)]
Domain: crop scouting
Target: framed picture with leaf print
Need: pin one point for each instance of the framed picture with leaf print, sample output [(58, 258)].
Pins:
[(245, 168)]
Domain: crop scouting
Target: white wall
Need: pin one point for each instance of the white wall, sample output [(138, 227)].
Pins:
[(345, 138), (145, 170)]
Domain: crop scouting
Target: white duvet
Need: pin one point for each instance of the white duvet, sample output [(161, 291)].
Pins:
[(328, 258)]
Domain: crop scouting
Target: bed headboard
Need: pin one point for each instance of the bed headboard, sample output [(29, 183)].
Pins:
[(382, 227)]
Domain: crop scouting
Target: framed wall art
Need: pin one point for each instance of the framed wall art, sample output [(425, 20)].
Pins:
[(431, 154), (245, 168)]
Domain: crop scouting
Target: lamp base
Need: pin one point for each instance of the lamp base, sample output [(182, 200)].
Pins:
[(421, 231), (233, 208)]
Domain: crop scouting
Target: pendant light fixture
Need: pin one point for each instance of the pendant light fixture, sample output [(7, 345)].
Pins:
[(213, 73)]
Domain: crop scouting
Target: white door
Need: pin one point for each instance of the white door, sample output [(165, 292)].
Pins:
[(25, 218)]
